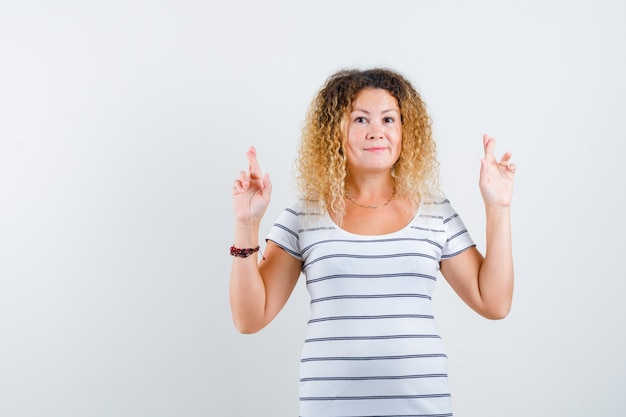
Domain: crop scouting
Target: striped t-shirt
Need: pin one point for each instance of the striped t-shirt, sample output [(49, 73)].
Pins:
[(372, 347)]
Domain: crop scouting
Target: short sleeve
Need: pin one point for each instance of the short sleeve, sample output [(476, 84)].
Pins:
[(458, 238), (285, 231)]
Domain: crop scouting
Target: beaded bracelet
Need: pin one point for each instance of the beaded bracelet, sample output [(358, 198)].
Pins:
[(243, 253)]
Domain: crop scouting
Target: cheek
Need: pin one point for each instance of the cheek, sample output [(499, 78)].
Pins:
[(400, 143), (352, 137), (398, 137)]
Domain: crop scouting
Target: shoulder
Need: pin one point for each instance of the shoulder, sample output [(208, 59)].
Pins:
[(303, 208), (436, 205), (301, 212), (440, 213), (292, 230)]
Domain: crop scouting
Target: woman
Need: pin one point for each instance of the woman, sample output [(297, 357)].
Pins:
[(370, 232)]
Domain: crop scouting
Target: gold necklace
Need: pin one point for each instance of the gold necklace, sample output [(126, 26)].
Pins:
[(371, 207)]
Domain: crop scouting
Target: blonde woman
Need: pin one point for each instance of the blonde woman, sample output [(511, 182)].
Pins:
[(370, 231)]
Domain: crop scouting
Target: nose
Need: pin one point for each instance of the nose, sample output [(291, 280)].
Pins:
[(375, 132)]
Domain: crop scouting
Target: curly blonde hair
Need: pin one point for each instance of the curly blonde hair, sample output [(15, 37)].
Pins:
[(321, 162)]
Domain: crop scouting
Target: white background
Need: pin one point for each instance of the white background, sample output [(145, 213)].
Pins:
[(124, 123)]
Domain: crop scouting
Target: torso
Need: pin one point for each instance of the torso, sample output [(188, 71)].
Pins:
[(372, 346)]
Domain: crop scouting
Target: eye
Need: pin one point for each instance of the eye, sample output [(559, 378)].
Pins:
[(389, 120), (360, 119)]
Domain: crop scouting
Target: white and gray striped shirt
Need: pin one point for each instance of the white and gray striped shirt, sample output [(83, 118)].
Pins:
[(372, 346)]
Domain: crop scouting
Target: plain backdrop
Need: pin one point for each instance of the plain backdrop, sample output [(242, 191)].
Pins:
[(124, 123)]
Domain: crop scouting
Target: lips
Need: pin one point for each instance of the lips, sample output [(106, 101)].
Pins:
[(376, 149)]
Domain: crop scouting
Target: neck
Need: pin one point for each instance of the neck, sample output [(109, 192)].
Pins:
[(370, 192), (370, 186)]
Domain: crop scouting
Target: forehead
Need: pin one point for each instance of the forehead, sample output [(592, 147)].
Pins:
[(375, 97)]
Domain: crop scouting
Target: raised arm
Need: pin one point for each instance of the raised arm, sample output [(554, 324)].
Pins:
[(486, 283), (258, 291)]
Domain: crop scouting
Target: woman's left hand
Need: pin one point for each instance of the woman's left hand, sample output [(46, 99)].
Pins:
[(496, 178)]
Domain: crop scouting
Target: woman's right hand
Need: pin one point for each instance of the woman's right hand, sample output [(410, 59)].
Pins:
[(251, 191)]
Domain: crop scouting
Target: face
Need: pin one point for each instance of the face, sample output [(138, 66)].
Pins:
[(373, 132)]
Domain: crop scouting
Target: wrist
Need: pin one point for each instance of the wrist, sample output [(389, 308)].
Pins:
[(497, 209), (246, 234)]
